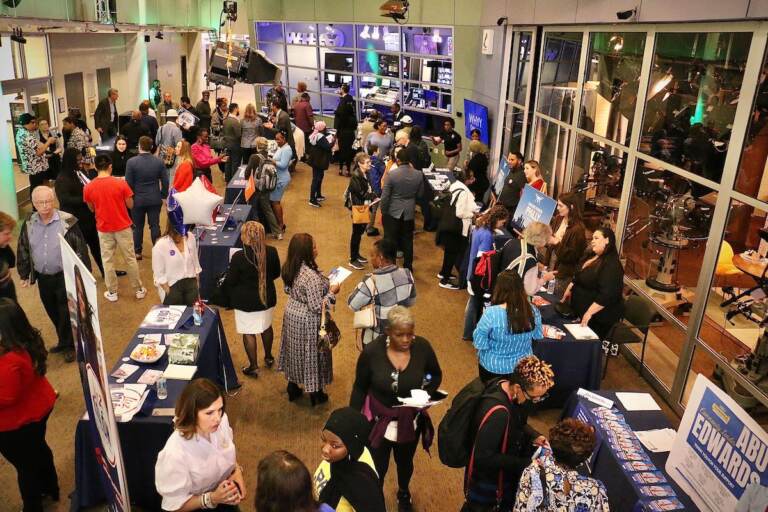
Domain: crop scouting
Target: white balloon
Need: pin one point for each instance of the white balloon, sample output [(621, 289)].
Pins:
[(198, 203)]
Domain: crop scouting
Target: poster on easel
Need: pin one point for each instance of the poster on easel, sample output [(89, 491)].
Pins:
[(84, 316), (720, 451)]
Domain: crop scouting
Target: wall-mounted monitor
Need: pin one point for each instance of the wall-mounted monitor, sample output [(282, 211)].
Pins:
[(424, 44), (338, 61)]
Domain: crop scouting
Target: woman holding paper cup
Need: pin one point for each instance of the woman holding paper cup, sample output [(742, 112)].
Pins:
[(303, 363), (197, 468), (506, 331), (392, 367), (595, 294)]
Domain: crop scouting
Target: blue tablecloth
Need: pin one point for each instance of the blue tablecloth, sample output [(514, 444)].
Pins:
[(215, 246), (606, 467), (577, 364), (144, 436), (235, 187)]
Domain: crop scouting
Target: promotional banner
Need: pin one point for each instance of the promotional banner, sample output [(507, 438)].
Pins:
[(499, 174), (533, 207), (84, 315), (719, 450), (476, 116)]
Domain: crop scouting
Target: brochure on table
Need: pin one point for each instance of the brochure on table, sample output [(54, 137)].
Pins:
[(534, 207), (719, 450)]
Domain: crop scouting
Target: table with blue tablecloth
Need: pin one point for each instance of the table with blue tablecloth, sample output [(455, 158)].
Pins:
[(214, 246), (236, 187), (623, 492), (142, 438), (576, 363)]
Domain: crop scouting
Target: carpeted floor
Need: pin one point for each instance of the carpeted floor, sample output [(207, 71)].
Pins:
[(262, 418)]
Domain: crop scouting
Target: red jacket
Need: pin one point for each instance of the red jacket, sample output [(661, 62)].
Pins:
[(303, 116), (25, 396)]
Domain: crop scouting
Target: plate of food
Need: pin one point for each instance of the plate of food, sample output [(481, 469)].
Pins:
[(147, 353)]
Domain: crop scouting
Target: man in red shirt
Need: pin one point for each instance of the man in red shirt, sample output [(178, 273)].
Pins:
[(109, 198)]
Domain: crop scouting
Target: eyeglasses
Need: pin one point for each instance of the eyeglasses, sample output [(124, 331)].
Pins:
[(43, 202), (536, 399), (395, 375)]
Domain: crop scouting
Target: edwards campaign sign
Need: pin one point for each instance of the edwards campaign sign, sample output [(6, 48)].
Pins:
[(719, 449)]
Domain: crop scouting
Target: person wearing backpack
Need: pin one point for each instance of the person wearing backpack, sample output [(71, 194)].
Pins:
[(503, 440), (506, 331), (260, 198), (320, 160), (453, 230), (486, 226)]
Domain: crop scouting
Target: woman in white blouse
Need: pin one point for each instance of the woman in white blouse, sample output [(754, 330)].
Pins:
[(197, 469), (175, 267)]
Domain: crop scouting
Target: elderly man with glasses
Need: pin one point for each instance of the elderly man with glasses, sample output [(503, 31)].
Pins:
[(39, 261)]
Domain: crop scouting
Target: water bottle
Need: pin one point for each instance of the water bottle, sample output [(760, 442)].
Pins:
[(197, 313), (551, 287), (162, 388)]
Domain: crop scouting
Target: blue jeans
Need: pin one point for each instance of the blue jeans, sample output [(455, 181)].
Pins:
[(471, 313), (152, 214)]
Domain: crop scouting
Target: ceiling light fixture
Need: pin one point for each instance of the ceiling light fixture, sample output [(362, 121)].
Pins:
[(376, 34), (365, 34)]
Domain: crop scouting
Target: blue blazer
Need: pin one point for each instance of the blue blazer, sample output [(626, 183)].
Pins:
[(148, 178)]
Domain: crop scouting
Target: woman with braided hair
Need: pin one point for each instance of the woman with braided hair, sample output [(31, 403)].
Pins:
[(504, 441), (250, 286)]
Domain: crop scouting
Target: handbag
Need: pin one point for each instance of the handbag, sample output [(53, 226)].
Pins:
[(360, 214), (220, 295), (449, 222), (329, 334), (366, 317)]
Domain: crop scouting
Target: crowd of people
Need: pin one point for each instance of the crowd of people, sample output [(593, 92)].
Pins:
[(104, 201)]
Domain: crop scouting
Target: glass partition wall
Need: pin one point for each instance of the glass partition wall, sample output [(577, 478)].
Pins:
[(663, 131), (382, 64)]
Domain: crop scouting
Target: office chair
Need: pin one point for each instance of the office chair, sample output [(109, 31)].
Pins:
[(638, 314)]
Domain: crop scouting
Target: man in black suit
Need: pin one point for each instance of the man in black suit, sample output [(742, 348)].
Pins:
[(133, 130), (106, 117), (403, 186)]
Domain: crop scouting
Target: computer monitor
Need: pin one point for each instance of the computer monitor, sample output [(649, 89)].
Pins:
[(386, 83)]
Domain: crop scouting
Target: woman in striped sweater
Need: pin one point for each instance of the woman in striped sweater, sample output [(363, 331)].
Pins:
[(505, 332)]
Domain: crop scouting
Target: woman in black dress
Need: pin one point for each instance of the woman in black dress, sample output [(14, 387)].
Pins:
[(69, 190), (596, 291), (390, 367)]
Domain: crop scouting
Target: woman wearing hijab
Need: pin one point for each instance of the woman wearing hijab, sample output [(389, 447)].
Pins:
[(347, 479), (319, 158)]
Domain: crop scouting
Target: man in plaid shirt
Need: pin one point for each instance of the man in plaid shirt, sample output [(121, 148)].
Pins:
[(388, 286)]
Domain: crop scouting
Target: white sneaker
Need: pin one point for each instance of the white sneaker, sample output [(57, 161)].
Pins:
[(141, 293), (111, 297)]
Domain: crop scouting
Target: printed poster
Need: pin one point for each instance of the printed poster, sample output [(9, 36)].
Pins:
[(533, 207), (719, 450), (500, 175), (84, 315)]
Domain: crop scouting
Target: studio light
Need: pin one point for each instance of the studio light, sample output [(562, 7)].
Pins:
[(365, 34), (617, 42), (376, 34), (159, 35)]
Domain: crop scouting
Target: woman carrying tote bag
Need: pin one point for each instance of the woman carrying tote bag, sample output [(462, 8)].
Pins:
[(359, 195)]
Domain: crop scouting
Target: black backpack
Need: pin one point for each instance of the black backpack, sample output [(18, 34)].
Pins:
[(449, 222), (456, 432)]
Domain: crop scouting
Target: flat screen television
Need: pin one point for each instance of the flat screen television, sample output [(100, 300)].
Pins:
[(424, 44), (338, 61), (476, 116)]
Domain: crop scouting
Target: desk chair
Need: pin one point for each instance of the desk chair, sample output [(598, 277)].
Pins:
[(638, 314)]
